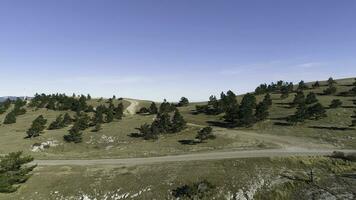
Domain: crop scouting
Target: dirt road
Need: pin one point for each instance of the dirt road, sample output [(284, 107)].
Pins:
[(132, 108), (196, 157)]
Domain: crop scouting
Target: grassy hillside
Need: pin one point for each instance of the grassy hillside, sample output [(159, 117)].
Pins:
[(114, 139)]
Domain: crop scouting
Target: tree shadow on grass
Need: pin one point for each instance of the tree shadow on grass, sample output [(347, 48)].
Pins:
[(334, 128), (282, 124), (348, 106), (135, 135), (188, 142), (222, 124)]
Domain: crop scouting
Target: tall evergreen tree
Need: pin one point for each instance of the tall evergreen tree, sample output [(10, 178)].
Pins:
[(335, 103), (109, 116), (316, 85), (246, 115), (267, 100), (299, 98), (311, 98), (178, 122), (316, 111), (58, 123), (330, 90), (261, 111), (38, 125), (119, 111), (183, 101), (300, 115), (302, 86), (74, 135), (10, 118), (153, 108), (67, 119), (331, 82)]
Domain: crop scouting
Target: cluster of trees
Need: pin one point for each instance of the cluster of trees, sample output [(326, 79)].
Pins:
[(38, 125), (152, 110), (245, 114), (10, 118), (164, 123), (14, 170), (61, 102), (274, 87), (331, 87), (307, 108), (5, 105), (60, 122)]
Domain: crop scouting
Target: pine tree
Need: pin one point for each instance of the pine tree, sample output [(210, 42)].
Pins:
[(67, 119), (38, 125), (335, 103), (331, 82), (119, 111), (183, 102), (300, 115), (153, 108), (330, 90), (267, 100), (299, 98), (178, 122), (302, 86), (284, 92), (316, 111), (316, 85), (311, 98), (205, 133), (163, 122), (10, 118), (261, 111), (74, 135), (232, 113), (109, 116), (58, 123), (82, 121), (246, 116)]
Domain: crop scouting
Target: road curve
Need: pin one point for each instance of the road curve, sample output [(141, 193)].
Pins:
[(131, 109), (196, 157)]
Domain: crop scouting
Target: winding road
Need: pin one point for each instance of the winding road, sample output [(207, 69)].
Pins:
[(196, 157)]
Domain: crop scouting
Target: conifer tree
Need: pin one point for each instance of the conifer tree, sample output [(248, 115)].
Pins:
[(38, 125), (58, 123), (67, 119), (205, 133), (119, 111), (300, 115), (246, 115), (74, 135), (153, 108), (232, 113), (183, 102), (178, 122), (109, 116), (316, 85), (10, 118), (299, 98), (261, 111), (316, 111), (267, 100), (335, 103), (331, 81), (302, 86), (330, 90), (163, 122), (311, 98)]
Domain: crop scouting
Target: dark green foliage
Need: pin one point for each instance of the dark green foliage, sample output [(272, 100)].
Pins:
[(205, 133), (178, 122), (299, 98), (4, 106), (163, 122), (330, 90), (67, 119), (316, 85), (227, 101), (274, 87), (331, 82), (14, 171), (261, 111), (119, 111), (353, 90), (148, 132), (335, 103), (267, 100), (316, 111), (60, 102), (88, 97), (284, 93), (38, 125), (196, 191), (82, 121), (109, 116), (300, 115), (166, 107), (302, 86), (75, 134), (143, 110), (311, 98), (246, 115), (232, 113), (10, 118), (153, 108), (183, 102), (58, 123)]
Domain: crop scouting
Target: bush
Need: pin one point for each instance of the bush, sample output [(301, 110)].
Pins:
[(205, 133), (14, 171), (199, 190), (335, 103), (10, 118)]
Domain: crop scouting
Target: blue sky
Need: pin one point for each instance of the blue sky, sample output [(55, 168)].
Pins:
[(167, 49)]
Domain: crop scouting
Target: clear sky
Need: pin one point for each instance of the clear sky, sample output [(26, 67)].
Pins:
[(167, 49)]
